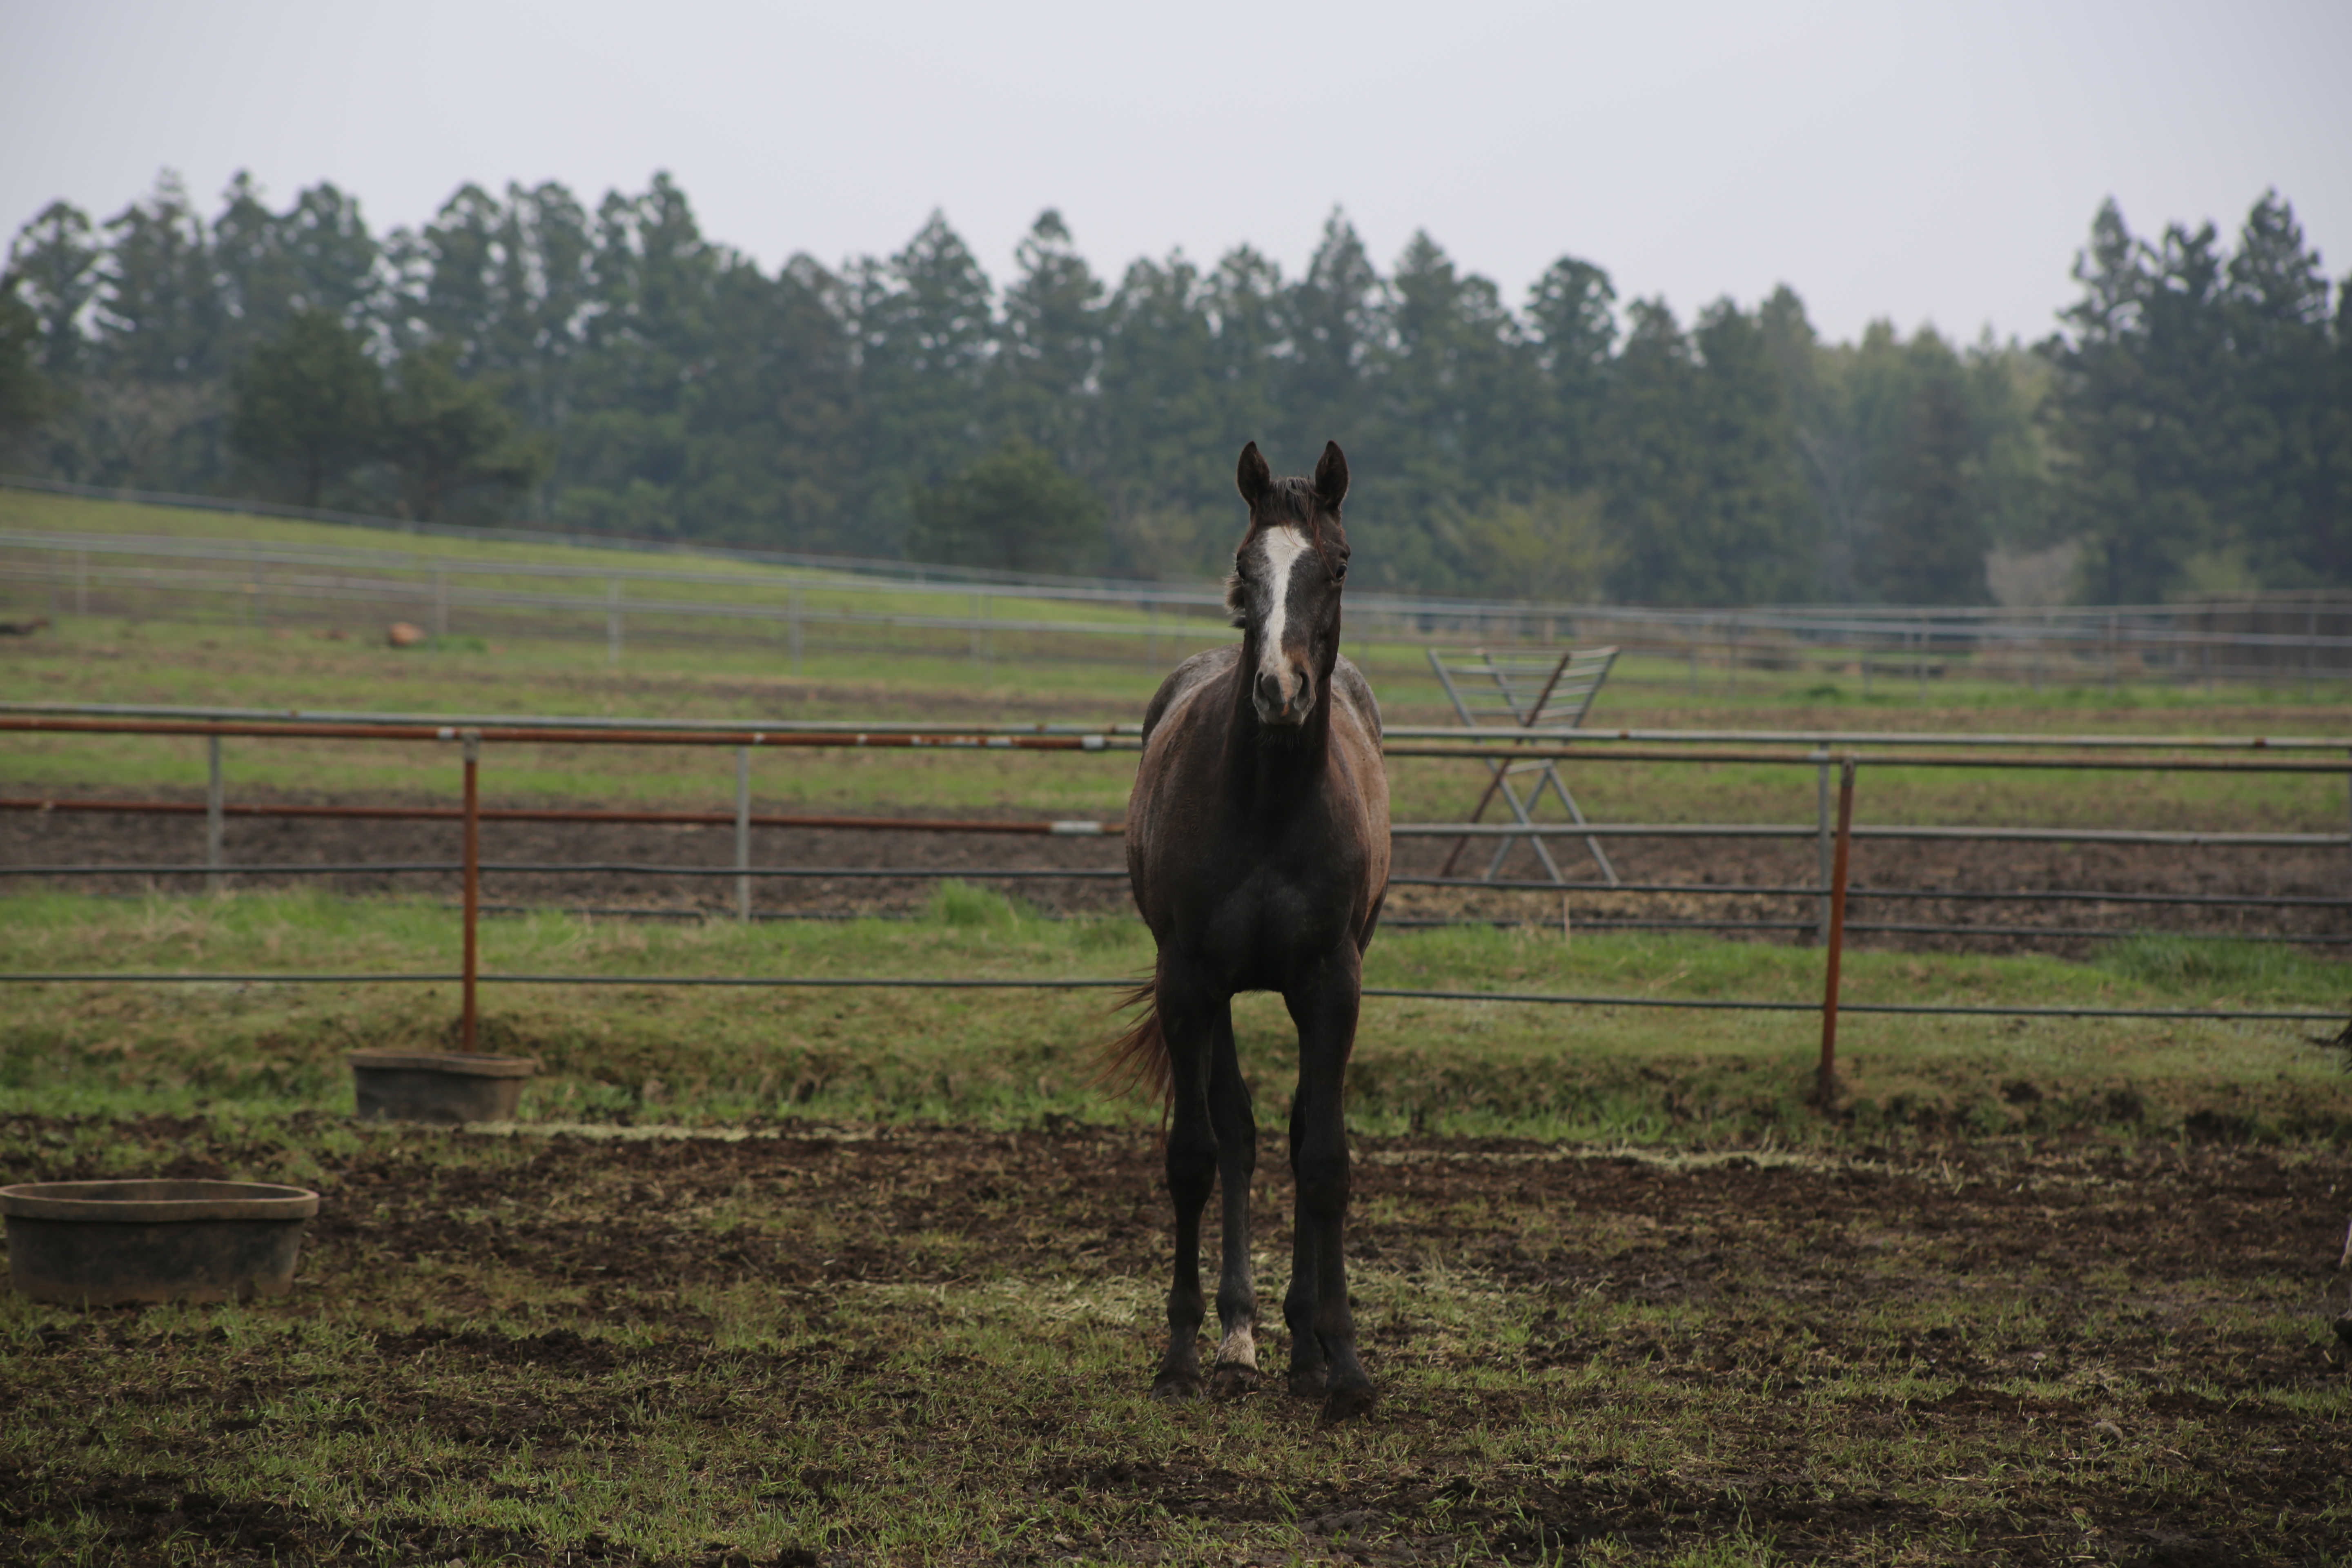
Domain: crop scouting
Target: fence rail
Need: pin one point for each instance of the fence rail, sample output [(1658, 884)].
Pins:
[(1816, 751)]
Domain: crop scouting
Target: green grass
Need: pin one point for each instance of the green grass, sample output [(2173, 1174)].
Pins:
[(703, 1056), (180, 665)]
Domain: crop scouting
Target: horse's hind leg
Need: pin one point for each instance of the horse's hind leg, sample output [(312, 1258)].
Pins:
[(1229, 1114), (1191, 1172)]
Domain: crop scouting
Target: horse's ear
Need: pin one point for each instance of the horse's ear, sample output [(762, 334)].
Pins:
[(1252, 478), (1331, 477)]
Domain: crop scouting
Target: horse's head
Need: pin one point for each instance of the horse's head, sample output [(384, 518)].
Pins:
[(1285, 590)]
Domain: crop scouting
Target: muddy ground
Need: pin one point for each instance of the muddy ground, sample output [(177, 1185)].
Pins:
[(2005, 926), (2005, 1352)]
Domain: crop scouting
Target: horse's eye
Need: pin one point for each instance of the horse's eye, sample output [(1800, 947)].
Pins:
[(1339, 572)]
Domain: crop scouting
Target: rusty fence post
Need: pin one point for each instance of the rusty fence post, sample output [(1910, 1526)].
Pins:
[(1825, 1085), (1826, 848), (215, 813), (469, 1019), (742, 833)]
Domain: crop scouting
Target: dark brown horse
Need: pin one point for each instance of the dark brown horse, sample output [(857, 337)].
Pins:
[(1258, 840)]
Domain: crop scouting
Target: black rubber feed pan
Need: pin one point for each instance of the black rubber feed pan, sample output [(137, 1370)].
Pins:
[(104, 1244), (437, 1086)]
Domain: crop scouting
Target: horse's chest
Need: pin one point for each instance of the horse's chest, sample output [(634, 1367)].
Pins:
[(1272, 915)]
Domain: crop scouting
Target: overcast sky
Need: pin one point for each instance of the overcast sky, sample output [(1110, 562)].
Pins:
[(1924, 162)]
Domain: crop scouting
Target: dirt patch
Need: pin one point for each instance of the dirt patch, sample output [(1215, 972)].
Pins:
[(2014, 1341)]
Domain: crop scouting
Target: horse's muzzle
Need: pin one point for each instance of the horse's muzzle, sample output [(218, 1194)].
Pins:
[(1283, 701)]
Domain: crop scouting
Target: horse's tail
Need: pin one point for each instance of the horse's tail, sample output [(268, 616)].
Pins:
[(1138, 1059)]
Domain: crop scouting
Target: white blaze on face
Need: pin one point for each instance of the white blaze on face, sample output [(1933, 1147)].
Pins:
[(1283, 548)]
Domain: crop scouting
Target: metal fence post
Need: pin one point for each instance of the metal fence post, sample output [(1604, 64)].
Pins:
[(468, 1022), (440, 600), (792, 623), (742, 833), (215, 814), (2112, 653), (1825, 1081), (1827, 846), (82, 583), (2310, 652)]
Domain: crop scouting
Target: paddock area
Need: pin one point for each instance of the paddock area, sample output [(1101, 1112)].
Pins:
[(805, 1344)]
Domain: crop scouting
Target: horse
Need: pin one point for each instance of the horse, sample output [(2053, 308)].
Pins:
[(1257, 842)]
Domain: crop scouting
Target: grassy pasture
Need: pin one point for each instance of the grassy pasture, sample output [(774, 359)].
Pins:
[(1000, 1059), (797, 1276)]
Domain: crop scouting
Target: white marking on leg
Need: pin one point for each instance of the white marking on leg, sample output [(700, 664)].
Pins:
[(1239, 1348), (1283, 547)]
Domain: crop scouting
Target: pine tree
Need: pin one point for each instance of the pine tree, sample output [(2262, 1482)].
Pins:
[(1573, 320), (160, 316), (1014, 510), (1051, 346), (26, 395), (926, 335), (1929, 545), (309, 401), (55, 262), (453, 440)]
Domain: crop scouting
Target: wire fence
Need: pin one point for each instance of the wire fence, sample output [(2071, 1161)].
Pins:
[(797, 607), (1835, 836)]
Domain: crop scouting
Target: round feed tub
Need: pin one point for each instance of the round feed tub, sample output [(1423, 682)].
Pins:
[(437, 1086), (103, 1244)]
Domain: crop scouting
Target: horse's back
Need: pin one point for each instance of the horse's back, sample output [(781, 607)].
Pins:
[(1349, 682), (1186, 683)]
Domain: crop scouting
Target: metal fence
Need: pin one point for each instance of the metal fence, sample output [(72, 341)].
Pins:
[(797, 605), (1834, 833)]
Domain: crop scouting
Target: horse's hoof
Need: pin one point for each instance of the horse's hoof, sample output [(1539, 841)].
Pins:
[(1230, 1380), (1308, 1383), (1176, 1386), (1347, 1404)]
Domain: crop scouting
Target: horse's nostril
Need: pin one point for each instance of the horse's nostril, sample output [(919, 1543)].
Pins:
[(1269, 691)]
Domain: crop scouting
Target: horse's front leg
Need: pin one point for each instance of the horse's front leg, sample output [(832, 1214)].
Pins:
[(1308, 1373), (1236, 1131), (1185, 1025), (1324, 1008)]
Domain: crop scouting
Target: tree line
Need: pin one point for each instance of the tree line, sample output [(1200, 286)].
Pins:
[(2187, 428)]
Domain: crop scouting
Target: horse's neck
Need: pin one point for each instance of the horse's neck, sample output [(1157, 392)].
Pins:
[(1270, 769)]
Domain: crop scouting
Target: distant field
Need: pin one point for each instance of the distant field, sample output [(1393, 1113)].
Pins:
[(997, 658)]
